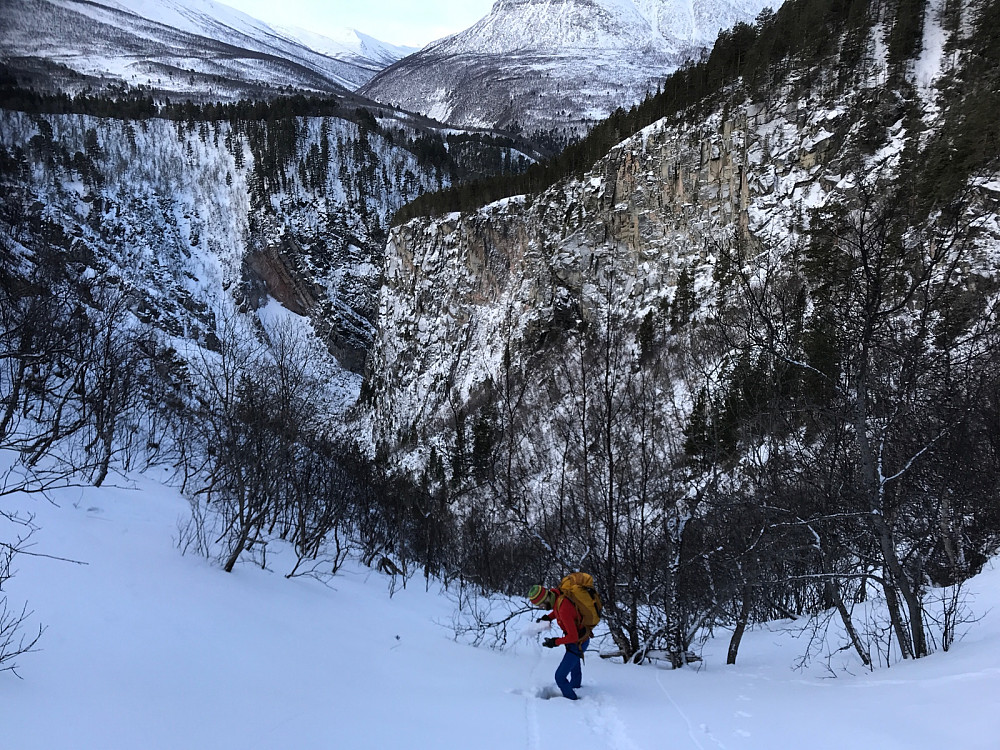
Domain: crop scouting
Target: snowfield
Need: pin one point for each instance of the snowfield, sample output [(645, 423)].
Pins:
[(147, 648)]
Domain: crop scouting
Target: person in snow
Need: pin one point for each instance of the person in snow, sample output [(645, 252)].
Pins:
[(569, 673)]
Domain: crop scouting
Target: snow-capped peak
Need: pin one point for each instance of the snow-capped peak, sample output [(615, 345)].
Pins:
[(544, 64), (518, 25), (348, 44)]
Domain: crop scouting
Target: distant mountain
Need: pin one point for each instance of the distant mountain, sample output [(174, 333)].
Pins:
[(350, 45), (566, 62), (194, 48)]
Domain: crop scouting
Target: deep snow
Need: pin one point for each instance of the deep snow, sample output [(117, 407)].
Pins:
[(147, 648)]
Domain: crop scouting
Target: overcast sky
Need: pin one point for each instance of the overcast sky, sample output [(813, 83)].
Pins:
[(409, 22)]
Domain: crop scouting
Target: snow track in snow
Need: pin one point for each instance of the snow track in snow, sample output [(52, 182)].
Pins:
[(692, 733), (531, 716), (605, 722)]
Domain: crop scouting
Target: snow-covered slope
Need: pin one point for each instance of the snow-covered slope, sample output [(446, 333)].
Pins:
[(195, 48), (543, 64), (146, 648)]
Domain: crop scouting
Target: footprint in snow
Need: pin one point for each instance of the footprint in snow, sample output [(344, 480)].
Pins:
[(545, 693), (548, 692)]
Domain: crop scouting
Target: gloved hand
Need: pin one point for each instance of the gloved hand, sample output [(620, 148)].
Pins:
[(549, 643), (544, 618)]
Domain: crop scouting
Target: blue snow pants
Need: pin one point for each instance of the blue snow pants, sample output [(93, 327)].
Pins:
[(569, 673)]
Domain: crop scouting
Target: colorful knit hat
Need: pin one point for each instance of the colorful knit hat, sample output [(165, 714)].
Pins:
[(537, 595)]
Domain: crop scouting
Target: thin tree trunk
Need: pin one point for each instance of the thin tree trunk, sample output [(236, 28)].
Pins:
[(13, 398), (915, 639), (241, 543), (894, 582), (845, 616), (741, 626)]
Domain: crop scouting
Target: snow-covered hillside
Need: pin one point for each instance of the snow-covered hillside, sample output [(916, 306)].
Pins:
[(542, 64), (146, 648), (194, 48), (652, 367)]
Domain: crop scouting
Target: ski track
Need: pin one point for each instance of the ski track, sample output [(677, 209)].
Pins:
[(531, 711), (690, 725), (531, 716)]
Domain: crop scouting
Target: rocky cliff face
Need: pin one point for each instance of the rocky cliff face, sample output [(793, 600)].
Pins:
[(643, 238), (460, 289)]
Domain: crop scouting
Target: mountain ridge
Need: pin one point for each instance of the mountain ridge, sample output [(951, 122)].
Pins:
[(541, 65), (198, 49)]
